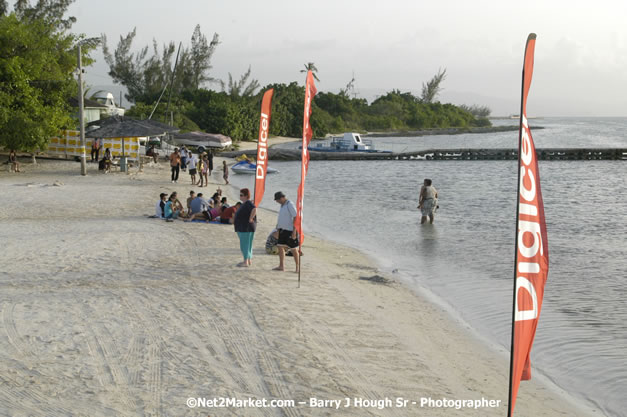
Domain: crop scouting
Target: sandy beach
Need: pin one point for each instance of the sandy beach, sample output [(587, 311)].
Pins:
[(105, 312)]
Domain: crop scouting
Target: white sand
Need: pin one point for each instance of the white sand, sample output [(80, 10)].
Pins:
[(104, 312)]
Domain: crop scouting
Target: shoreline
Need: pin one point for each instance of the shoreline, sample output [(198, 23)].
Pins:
[(351, 331)]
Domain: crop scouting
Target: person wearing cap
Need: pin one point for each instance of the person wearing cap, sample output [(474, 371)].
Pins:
[(288, 238)]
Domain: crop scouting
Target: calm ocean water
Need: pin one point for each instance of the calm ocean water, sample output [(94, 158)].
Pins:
[(466, 258)]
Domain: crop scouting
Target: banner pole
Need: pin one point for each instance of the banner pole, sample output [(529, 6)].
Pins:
[(520, 126)]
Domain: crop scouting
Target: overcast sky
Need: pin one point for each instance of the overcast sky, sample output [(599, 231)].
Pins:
[(580, 60)]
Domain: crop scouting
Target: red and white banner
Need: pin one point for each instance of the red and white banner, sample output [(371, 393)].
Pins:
[(532, 250), (262, 147), (310, 92)]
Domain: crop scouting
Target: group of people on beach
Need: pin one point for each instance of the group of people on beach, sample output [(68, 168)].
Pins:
[(242, 215), (196, 207), (105, 163), (201, 164)]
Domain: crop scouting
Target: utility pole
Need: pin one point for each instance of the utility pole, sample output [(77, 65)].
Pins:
[(81, 105)]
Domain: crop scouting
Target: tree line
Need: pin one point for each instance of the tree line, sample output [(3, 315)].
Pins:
[(38, 55)]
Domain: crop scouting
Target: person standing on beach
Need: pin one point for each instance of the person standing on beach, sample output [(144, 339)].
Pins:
[(95, 149), (210, 158), (288, 238), (204, 171), (245, 223), (184, 156), (225, 172), (15, 164), (175, 164), (427, 201), (191, 163)]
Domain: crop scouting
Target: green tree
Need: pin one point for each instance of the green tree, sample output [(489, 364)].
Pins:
[(477, 110), (349, 89), (51, 12), (431, 90), (241, 88), (146, 76), (196, 62), (36, 73)]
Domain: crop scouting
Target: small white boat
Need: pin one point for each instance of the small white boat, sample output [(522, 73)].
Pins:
[(245, 167)]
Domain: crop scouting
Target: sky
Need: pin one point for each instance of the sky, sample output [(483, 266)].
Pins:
[(580, 56)]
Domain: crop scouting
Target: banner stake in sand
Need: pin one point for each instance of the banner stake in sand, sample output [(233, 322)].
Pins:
[(310, 92), (531, 265)]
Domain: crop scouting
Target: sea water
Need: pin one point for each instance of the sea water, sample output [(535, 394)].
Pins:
[(466, 258)]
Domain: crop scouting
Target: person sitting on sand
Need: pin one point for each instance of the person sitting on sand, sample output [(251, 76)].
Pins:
[(105, 163), (226, 215), (159, 208), (200, 209), (15, 164), (223, 203), (198, 204), (271, 242), (428, 201), (215, 211), (177, 204), (215, 200), (151, 151), (170, 210), (192, 196)]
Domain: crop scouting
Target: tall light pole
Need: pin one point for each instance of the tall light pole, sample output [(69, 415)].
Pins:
[(80, 112)]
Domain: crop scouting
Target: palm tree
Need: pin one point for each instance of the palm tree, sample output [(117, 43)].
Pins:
[(310, 66)]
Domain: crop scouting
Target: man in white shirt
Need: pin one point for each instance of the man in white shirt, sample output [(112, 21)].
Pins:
[(192, 160), (288, 238)]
